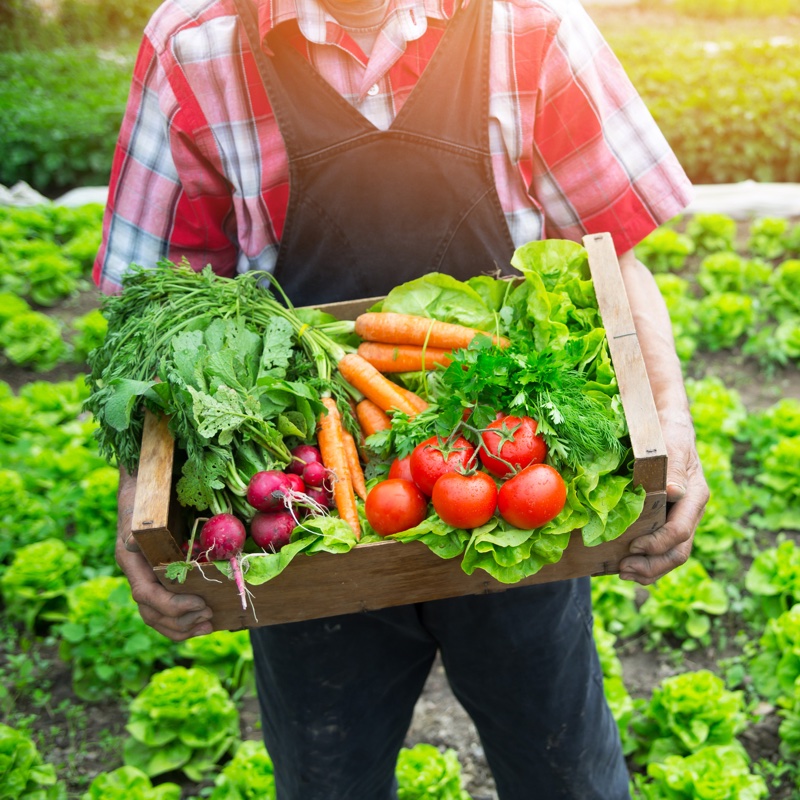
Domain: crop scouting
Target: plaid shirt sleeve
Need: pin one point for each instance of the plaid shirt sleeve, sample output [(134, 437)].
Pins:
[(600, 161), (166, 200)]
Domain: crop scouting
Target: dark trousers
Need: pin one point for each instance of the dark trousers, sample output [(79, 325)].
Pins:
[(337, 695)]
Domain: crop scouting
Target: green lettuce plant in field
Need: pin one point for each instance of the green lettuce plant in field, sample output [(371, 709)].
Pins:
[(49, 276), (23, 773), (686, 713), (182, 720), (129, 783), (712, 233), (228, 654), (681, 604), (785, 283), (62, 488), (720, 530), (425, 773), (682, 308), (767, 237), (82, 248), (11, 305), (90, 332), (665, 250), (32, 340), (35, 585), (110, 648), (620, 702), (713, 773), (763, 429), (779, 474), (249, 775), (731, 272), (776, 667), (789, 731), (774, 578), (614, 605), (718, 411), (725, 318)]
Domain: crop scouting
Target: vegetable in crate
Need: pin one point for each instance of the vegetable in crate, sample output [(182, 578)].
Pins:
[(222, 359), (539, 392)]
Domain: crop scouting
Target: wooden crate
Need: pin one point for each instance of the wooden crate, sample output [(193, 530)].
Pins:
[(381, 574)]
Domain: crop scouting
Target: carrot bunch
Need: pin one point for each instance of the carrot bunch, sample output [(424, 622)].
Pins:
[(391, 343)]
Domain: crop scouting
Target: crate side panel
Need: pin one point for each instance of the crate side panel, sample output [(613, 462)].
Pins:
[(647, 438), (151, 508), (374, 576)]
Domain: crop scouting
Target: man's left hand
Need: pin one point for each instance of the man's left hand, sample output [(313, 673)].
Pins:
[(655, 554)]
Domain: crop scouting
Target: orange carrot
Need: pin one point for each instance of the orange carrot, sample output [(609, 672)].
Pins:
[(392, 328), (415, 400), (354, 465), (334, 456), (371, 418), (363, 376), (402, 357)]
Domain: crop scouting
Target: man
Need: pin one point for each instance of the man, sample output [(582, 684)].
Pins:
[(347, 146)]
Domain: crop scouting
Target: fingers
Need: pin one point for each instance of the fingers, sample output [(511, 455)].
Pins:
[(655, 554), (176, 616)]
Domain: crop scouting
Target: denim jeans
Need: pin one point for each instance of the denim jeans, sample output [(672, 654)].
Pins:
[(337, 694)]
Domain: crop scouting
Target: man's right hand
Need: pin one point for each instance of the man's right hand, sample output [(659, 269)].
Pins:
[(176, 616)]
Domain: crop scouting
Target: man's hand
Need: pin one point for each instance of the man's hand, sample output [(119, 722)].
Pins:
[(176, 616), (655, 554)]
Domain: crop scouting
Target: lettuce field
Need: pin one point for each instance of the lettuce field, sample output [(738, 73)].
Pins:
[(702, 670)]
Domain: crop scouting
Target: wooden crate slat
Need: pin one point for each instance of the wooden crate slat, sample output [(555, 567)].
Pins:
[(647, 440)]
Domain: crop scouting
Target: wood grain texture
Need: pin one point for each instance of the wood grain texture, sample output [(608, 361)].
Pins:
[(151, 508), (383, 574), (647, 440)]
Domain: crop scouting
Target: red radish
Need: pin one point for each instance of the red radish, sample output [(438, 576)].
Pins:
[(266, 490), (319, 494), (303, 454), (271, 530), (295, 482), (314, 474), (197, 551), (222, 539)]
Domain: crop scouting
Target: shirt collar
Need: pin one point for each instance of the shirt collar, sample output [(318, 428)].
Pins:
[(409, 18)]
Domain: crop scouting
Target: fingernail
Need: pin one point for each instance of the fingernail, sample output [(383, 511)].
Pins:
[(676, 489), (636, 550), (202, 630), (627, 576)]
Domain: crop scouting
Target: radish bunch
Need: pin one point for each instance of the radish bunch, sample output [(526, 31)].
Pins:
[(277, 497)]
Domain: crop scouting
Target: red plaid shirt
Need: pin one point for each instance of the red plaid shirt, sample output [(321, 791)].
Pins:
[(201, 172)]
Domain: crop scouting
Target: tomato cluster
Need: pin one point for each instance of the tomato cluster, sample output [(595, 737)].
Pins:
[(511, 452)]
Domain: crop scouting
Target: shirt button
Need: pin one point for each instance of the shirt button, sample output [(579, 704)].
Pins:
[(373, 90)]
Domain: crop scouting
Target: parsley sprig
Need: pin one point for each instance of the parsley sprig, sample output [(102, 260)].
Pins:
[(519, 380)]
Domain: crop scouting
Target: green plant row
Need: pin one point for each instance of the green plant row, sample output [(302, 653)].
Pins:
[(728, 9), (737, 298), (726, 107), (62, 110)]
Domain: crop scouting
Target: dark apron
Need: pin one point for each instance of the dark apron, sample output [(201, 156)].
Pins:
[(370, 209)]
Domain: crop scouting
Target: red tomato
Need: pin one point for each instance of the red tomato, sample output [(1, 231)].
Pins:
[(428, 463), (523, 448), (465, 501), (532, 497), (395, 505), (401, 468)]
